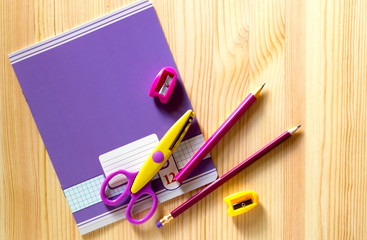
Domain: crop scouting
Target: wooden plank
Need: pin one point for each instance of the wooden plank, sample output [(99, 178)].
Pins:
[(335, 116), (312, 56)]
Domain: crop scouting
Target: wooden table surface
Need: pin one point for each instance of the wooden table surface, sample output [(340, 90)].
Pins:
[(312, 56)]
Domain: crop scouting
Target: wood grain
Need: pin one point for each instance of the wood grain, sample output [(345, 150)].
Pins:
[(312, 56)]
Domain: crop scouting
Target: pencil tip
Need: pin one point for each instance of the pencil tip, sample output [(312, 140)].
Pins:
[(257, 92), (292, 130)]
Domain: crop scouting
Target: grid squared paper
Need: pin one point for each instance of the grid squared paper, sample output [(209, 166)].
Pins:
[(86, 194), (187, 149)]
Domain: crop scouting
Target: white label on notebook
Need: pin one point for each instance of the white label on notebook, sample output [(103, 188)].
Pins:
[(168, 173), (129, 157)]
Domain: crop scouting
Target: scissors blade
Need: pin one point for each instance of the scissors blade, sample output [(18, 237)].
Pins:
[(181, 134)]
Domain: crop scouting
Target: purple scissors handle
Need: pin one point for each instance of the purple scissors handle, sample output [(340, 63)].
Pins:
[(146, 190)]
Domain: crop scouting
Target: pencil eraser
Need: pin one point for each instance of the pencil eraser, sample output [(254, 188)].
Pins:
[(159, 224)]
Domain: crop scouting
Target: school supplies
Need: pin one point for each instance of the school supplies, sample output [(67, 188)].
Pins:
[(241, 202), (164, 84), (139, 183), (221, 180), (218, 135), (87, 90)]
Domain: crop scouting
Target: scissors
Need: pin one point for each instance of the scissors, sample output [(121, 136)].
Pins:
[(139, 183)]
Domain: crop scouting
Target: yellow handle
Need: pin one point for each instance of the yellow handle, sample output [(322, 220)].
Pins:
[(162, 151)]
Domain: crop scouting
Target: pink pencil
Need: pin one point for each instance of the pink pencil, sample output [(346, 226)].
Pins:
[(220, 181), (218, 135)]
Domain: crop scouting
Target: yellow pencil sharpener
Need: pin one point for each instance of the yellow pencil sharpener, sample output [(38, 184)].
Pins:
[(241, 202)]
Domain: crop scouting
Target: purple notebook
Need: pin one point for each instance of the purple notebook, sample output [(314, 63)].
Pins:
[(88, 93)]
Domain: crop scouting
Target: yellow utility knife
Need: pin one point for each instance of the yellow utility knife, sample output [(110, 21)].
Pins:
[(162, 151)]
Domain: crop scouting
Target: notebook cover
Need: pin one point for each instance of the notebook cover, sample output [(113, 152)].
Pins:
[(88, 90)]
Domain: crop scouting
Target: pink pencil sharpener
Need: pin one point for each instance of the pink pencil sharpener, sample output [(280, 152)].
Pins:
[(164, 84)]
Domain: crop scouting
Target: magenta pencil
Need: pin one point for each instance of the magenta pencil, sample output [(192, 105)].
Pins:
[(230, 174), (218, 135)]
